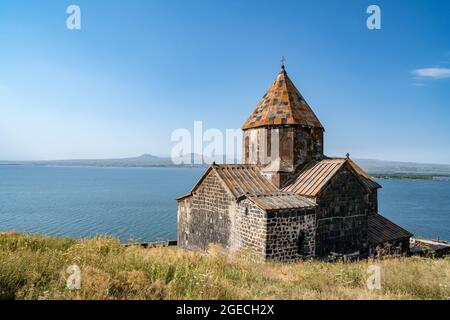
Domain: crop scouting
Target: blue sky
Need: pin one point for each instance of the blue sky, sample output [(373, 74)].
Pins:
[(137, 70)]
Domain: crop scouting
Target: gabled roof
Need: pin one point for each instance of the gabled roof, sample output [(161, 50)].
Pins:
[(381, 230), (240, 180), (245, 181), (368, 181), (282, 105), (315, 176), (282, 201)]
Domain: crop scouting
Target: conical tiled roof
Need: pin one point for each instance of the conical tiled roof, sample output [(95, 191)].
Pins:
[(282, 105)]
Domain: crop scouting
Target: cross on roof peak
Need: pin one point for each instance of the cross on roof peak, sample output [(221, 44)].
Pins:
[(283, 60)]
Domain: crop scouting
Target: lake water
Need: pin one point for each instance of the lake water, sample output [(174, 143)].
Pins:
[(138, 204)]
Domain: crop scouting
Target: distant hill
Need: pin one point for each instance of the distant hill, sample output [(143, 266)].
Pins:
[(376, 167), (393, 167), (143, 160)]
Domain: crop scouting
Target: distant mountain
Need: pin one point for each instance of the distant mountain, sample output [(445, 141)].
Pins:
[(394, 167), (196, 160), (143, 160)]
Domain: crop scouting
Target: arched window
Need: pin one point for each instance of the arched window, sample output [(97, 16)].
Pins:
[(301, 243), (247, 149)]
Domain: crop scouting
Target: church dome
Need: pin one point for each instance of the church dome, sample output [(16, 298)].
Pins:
[(282, 105)]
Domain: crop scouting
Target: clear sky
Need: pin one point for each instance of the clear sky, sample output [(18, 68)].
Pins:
[(137, 70)]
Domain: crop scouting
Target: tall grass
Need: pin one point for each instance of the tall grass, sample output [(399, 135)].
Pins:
[(34, 267)]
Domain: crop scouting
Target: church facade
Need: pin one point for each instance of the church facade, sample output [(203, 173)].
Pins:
[(287, 200)]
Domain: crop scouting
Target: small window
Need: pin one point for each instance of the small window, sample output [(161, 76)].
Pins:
[(246, 211), (301, 243), (247, 149)]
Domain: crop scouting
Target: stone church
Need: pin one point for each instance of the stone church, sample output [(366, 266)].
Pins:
[(287, 200)]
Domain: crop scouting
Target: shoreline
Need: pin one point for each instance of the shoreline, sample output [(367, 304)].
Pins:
[(163, 243), (377, 175)]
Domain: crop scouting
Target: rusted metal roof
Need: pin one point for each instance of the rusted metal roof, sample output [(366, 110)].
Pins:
[(282, 105), (381, 230), (245, 179), (367, 180), (314, 177), (278, 202)]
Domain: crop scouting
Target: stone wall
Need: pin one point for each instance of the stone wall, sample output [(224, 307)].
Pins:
[(291, 234), (342, 216), (212, 216), (249, 230), (184, 210), (279, 151), (261, 146), (293, 145), (204, 218), (308, 145), (373, 201)]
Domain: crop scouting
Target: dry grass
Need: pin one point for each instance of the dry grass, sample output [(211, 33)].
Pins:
[(34, 267)]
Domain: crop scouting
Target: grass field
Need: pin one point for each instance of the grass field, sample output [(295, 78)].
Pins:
[(34, 267)]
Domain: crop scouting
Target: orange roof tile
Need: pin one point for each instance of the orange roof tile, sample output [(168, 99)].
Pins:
[(282, 105)]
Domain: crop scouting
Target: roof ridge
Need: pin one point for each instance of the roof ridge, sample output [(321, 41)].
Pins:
[(315, 175), (276, 194)]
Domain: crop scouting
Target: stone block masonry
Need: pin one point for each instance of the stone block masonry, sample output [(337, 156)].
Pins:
[(204, 217), (291, 234), (342, 216)]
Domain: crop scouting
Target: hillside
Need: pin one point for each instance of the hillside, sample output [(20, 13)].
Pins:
[(145, 160), (148, 160), (394, 167), (141, 161), (34, 267)]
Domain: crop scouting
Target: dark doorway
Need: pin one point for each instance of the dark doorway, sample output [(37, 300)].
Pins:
[(301, 243)]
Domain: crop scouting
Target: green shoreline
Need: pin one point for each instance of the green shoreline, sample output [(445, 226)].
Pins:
[(410, 176)]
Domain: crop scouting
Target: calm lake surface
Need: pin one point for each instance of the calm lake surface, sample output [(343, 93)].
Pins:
[(138, 204)]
